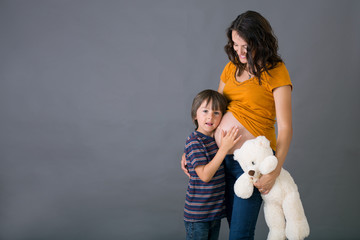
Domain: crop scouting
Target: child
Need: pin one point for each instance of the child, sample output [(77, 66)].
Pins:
[(204, 204)]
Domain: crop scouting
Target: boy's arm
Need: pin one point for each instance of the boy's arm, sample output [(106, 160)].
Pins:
[(206, 172)]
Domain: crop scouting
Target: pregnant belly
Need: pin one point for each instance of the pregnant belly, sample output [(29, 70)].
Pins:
[(227, 122)]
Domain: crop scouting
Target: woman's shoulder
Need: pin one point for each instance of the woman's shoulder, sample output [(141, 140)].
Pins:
[(277, 76), (278, 71), (228, 71), (230, 66), (279, 68)]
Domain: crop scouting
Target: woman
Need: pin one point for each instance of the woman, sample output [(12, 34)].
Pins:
[(258, 87)]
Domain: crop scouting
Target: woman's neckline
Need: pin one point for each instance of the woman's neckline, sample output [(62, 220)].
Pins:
[(243, 81)]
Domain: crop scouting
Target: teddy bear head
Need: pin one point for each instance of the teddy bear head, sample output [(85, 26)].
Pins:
[(256, 157)]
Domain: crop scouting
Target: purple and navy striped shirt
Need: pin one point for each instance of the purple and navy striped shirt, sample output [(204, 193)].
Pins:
[(204, 201)]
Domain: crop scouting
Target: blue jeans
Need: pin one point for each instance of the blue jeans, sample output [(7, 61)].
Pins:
[(241, 213), (203, 230)]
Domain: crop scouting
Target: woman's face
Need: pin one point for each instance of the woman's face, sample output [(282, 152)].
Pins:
[(240, 46)]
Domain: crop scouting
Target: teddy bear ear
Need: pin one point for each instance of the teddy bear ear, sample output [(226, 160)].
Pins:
[(268, 164), (237, 154), (262, 141)]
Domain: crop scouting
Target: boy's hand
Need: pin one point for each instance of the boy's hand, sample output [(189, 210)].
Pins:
[(229, 139)]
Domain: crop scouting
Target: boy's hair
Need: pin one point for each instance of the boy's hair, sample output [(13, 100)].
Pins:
[(219, 102)]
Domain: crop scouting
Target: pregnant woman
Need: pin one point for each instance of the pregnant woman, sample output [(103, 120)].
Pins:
[(258, 87)]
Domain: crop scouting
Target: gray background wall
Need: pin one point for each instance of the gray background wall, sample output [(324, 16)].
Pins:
[(95, 99)]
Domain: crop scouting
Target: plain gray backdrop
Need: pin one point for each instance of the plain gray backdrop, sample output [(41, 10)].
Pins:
[(95, 109)]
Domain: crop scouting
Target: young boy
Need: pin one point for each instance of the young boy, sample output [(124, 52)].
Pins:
[(204, 204)]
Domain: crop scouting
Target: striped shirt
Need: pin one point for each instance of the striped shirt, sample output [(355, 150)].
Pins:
[(204, 201)]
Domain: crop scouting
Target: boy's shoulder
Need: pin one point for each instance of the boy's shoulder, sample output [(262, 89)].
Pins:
[(193, 137), (197, 136), (199, 140)]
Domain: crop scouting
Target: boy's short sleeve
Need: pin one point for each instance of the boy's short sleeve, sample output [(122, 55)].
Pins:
[(195, 153)]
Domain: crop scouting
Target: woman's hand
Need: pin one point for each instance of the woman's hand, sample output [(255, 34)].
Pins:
[(183, 165), (266, 182)]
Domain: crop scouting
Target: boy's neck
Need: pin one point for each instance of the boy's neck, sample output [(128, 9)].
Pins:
[(209, 134)]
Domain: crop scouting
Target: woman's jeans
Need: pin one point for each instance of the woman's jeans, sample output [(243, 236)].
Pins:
[(203, 230), (241, 213)]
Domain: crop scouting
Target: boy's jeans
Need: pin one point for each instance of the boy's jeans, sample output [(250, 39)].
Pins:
[(203, 230)]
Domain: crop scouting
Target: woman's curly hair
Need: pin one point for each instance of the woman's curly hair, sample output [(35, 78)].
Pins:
[(262, 46)]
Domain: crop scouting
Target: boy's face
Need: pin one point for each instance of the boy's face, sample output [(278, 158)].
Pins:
[(207, 118)]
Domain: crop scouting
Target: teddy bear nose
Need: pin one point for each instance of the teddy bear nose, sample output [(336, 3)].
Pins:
[(251, 172)]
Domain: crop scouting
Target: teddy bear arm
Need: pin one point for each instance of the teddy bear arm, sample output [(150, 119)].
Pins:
[(243, 187)]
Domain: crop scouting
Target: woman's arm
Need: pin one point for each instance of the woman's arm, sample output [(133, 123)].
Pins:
[(282, 98), (183, 165), (221, 87)]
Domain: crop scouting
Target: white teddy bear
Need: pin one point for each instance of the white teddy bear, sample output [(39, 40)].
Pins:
[(283, 210)]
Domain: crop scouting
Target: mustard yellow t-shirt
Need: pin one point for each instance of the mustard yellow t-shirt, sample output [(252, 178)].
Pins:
[(253, 104)]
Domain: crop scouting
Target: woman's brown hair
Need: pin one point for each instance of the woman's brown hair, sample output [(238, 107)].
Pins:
[(262, 50)]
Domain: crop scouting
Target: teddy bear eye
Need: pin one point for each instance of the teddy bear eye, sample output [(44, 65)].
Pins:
[(252, 163)]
